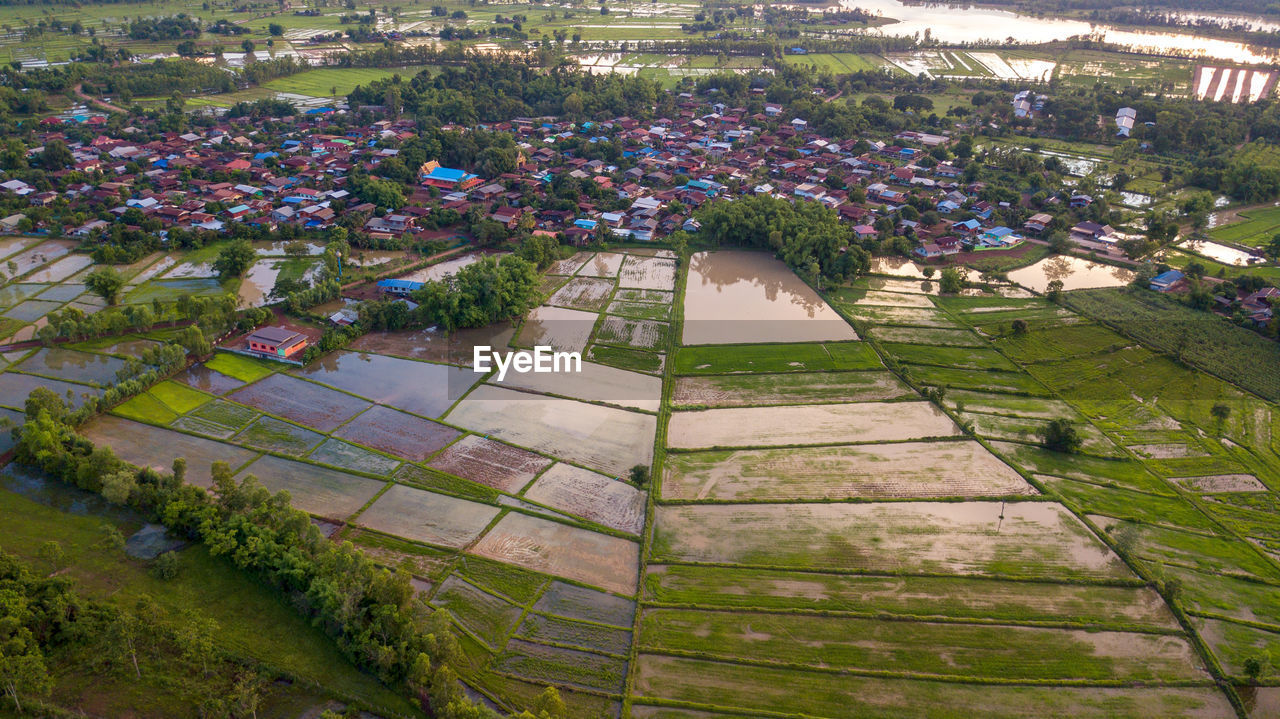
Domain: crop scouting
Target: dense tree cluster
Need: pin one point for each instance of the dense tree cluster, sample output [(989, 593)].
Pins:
[(806, 235)]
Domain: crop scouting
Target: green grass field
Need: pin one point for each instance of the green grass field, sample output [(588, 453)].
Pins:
[(725, 359), (243, 368), (253, 621)]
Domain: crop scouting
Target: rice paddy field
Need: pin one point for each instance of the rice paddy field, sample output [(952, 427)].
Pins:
[(857, 522)]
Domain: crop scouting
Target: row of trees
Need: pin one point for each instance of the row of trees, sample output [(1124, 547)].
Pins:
[(372, 613)]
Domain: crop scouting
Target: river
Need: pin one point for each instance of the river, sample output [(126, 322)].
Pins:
[(961, 24)]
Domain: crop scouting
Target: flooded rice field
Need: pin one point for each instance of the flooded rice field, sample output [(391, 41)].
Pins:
[(895, 470), (631, 332), (1074, 272), (602, 264), (441, 270), (1222, 253), (570, 265), (583, 293), (428, 517), (456, 348), (61, 269), (896, 266), (14, 389), (398, 433), (595, 383), (738, 297), (315, 490), (1035, 539), (649, 273), (301, 401), (592, 496), (209, 380), (558, 549), (490, 463), (808, 424), (147, 446), (420, 387), (73, 366), (272, 435), (349, 456), (607, 439), (561, 329)]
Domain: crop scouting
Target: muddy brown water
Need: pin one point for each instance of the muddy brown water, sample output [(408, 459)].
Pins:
[(739, 297), (1075, 274)]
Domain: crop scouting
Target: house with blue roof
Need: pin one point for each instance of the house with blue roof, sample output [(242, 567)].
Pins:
[(399, 287), (1165, 281), (946, 207), (433, 175), (585, 224), (998, 236)]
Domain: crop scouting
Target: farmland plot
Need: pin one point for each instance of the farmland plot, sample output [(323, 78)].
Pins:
[(73, 366), (1034, 539), (583, 293), (648, 296), (737, 297), (428, 517), (956, 357), (909, 316), (595, 383), (555, 630), (419, 387), (430, 344), (640, 310), (900, 469), (955, 597), (545, 664), (887, 299), (608, 439), (980, 380), (272, 435), (315, 490), (353, 457), (1121, 472), (487, 617), (791, 388), (648, 273), (398, 433), (301, 401), (1006, 404), (1027, 430), (809, 424), (588, 605), (928, 336), (725, 359), (825, 694), (562, 329), (602, 264), (941, 649), (592, 496), (147, 446), (490, 463), (558, 549), (570, 265), (638, 333)]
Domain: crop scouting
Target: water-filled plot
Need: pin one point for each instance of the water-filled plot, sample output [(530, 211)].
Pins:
[(742, 297), (301, 401), (590, 495), (349, 456), (419, 387), (398, 433), (147, 446), (273, 435), (561, 550), (428, 516), (316, 490), (490, 463)]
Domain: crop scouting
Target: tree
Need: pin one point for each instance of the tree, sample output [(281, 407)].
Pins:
[(1220, 411), (952, 280), (55, 155), (639, 475), (51, 553), (1060, 435), (275, 29), (106, 283), (247, 46), (23, 672), (118, 486), (1054, 290), (235, 259), (1019, 327), (166, 566), (1255, 665)]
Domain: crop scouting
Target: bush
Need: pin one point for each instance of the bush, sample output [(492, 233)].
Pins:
[(166, 566)]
